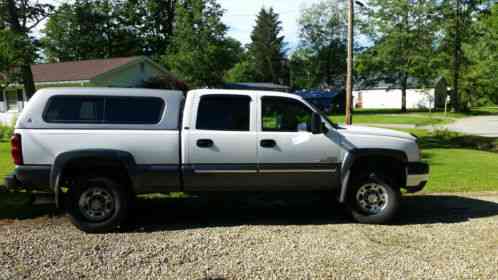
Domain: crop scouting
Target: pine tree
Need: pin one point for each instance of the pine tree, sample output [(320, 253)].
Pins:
[(267, 48)]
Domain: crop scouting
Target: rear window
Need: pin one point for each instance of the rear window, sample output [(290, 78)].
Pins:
[(133, 110), (105, 109), (75, 109)]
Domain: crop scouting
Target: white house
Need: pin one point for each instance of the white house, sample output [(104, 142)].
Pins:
[(388, 96), (113, 72), (391, 98)]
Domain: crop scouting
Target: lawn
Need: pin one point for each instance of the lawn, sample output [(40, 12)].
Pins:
[(6, 164), (414, 117), (418, 119), (459, 163)]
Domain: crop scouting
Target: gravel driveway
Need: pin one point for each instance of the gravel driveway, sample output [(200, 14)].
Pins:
[(437, 237)]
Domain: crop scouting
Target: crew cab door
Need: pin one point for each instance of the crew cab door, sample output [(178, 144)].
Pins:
[(221, 143), (289, 155)]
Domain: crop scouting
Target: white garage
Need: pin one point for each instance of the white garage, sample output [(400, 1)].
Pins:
[(381, 98)]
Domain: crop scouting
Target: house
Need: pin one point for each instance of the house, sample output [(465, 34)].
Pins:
[(113, 72), (388, 96)]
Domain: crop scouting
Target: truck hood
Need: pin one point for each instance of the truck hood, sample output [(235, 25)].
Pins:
[(374, 131)]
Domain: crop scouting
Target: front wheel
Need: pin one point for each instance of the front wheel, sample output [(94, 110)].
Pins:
[(97, 204), (373, 200)]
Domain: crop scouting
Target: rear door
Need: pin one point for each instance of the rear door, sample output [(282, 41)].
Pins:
[(289, 155), (221, 143)]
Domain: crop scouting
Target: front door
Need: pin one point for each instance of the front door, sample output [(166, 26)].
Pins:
[(222, 144), (289, 155)]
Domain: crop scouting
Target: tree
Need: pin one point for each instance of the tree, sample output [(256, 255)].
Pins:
[(20, 18), (152, 21), (457, 28), (480, 80), (403, 33), (89, 29), (243, 71), (10, 57), (267, 49), (320, 60), (200, 53)]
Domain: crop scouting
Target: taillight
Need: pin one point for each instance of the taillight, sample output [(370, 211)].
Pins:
[(16, 148)]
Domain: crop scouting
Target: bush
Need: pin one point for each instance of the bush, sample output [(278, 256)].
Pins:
[(6, 132)]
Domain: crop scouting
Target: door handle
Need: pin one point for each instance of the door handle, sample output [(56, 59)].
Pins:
[(204, 143), (268, 143)]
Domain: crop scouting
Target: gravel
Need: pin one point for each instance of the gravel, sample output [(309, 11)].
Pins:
[(436, 236)]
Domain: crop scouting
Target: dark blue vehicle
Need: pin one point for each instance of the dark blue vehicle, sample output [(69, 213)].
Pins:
[(325, 100)]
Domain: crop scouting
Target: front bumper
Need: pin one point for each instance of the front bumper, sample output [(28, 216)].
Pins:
[(417, 175), (29, 177)]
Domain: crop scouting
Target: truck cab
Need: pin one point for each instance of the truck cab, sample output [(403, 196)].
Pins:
[(96, 148)]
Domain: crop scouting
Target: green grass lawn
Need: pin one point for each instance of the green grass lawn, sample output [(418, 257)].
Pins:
[(6, 164), (418, 119), (415, 117), (459, 163)]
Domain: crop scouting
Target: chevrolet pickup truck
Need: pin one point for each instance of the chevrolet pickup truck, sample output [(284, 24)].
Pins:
[(97, 148)]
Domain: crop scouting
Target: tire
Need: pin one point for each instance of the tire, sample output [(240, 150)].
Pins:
[(97, 204), (373, 200)]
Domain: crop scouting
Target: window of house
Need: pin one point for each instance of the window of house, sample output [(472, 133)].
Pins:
[(224, 112), (79, 109), (11, 100), (133, 110), (285, 114)]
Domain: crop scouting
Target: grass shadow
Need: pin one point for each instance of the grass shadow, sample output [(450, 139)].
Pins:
[(452, 140)]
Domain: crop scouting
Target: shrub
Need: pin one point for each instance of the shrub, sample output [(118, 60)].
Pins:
[(6, 132)]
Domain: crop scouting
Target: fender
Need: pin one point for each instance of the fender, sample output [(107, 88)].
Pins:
[(125, 158), (356, 154)]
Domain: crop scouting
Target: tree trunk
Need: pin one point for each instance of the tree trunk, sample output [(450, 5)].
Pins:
[(404, 82), (455, 97), (26, 74), (171, 19), (27, 78)]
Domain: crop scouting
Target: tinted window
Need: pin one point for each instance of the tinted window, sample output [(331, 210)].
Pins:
[(224, 112), (78, 109), (133, 110), (285, 114)]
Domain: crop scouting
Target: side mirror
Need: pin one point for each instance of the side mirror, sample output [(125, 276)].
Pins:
[(317, 126)]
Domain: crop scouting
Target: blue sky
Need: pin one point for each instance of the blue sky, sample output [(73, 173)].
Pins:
[(240, 16)]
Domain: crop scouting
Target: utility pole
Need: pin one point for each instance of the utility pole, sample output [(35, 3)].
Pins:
[(349, 78)]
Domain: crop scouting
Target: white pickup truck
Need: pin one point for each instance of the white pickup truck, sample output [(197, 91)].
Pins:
[(96, 148)]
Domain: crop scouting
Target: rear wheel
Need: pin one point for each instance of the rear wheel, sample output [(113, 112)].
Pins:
[(373, 200), (97, 204)]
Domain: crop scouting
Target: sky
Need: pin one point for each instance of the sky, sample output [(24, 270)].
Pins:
[(240, 16)]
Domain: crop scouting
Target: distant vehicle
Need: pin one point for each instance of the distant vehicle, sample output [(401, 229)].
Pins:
[(327, 101), (96, 148)]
